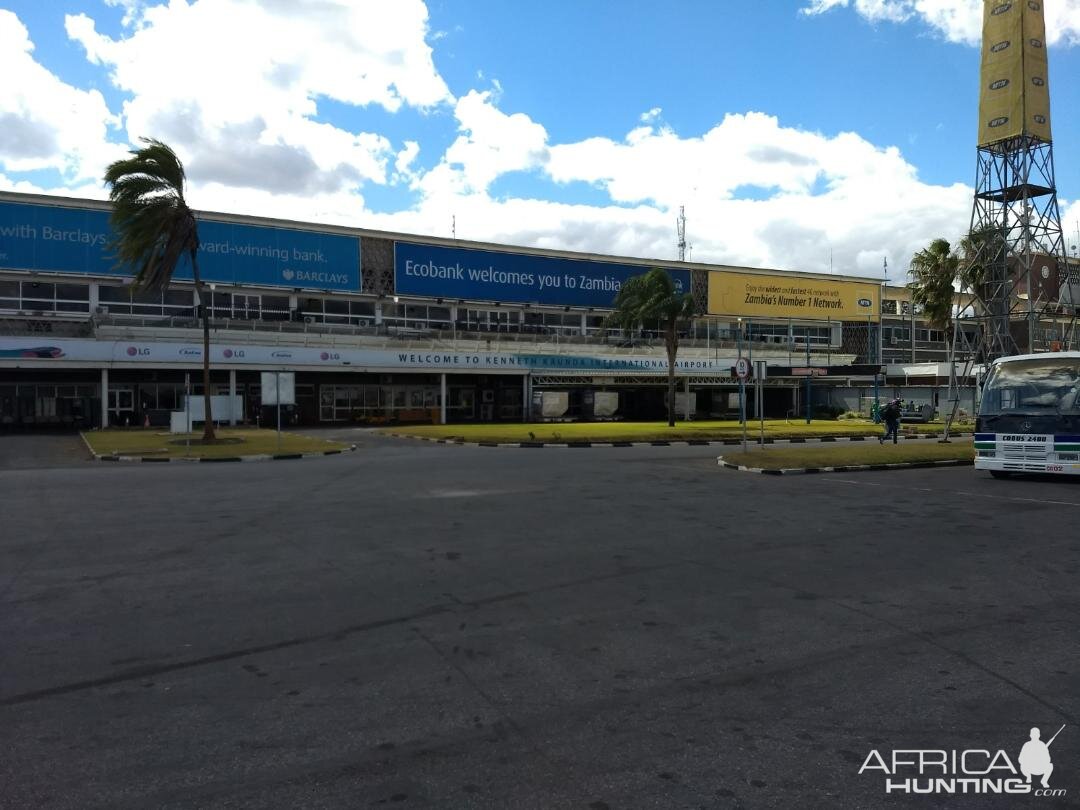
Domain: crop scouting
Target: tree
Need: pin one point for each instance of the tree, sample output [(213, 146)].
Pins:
[(935, 270), (651, 298), (982, 254), (154, 228)]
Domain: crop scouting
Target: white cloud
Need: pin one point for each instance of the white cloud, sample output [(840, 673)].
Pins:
[(324, 207), (244, 116), (132, 9), (45, 123), (493, 143), (757, 194), (955, 20), (403, 162), (873, 10), (93, 189), (245, 109), (1070, 224), (656, 164)]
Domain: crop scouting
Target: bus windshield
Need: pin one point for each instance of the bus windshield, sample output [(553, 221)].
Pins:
[(1037, 387)]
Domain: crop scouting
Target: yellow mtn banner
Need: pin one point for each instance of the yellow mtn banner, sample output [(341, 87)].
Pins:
[(776, 296), (1014, 97)]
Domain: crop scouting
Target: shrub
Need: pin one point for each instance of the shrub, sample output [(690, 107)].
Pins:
[(827, 411)]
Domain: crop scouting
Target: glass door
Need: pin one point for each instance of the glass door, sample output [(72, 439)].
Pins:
[(121, 405)]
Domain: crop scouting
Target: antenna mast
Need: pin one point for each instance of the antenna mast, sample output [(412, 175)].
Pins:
[(1022, 298), (680, 226)]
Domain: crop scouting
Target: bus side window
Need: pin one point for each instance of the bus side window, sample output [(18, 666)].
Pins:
[(1070, 402)]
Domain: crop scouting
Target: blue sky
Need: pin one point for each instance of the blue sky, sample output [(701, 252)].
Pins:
[(810, 135)]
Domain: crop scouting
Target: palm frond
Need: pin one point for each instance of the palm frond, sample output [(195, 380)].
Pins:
[(156, 161), (648, 298), (152, 223), (935, 270)]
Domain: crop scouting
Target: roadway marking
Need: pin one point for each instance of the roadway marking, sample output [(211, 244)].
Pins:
[(1007, 498), (469, 493), (996, 497)]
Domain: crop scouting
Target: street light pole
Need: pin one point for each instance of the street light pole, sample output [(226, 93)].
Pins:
[(742, 388), (880, 333), (809, 373)]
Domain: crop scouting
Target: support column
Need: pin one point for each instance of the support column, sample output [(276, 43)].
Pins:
[(104, 398), (232, 396), (686, 396), (525, 398), (442, 398)]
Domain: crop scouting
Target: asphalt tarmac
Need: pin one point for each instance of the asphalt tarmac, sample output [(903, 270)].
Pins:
[(417, 625)]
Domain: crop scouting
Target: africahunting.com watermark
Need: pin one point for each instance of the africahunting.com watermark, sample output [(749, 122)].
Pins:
[(968, 771)]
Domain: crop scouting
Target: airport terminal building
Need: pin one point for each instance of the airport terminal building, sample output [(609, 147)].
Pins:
[(384, 328)]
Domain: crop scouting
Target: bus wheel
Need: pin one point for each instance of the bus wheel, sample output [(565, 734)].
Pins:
[(1000, 473)]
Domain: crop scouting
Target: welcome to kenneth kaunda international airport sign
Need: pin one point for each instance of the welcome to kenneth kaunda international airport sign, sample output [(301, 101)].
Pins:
[(779, 296), (43, 352)]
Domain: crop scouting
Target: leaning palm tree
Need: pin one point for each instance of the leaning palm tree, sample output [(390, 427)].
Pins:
[(935, 270), (154, 228), (982, 254), (651, 298)]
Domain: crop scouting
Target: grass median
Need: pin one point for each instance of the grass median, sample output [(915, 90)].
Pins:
[(555, 433), (772, 457), (232, 442)]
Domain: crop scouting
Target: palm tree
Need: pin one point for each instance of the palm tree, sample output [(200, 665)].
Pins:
[(935, 270), (651, 298), (154, 228), (982, 255)]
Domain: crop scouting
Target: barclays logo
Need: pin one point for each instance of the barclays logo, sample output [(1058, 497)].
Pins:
[(287, 274)]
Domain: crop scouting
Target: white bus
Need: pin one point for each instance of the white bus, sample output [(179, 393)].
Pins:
[(1029, 417)]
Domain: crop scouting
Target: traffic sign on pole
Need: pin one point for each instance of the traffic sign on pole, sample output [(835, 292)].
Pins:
[(760, 372)]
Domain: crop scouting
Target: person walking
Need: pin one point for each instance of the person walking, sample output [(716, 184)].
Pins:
[(891, 417)]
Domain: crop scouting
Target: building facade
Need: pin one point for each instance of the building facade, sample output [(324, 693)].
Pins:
[(382, 327)]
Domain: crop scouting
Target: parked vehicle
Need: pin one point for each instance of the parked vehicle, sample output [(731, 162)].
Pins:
[(1029, 418)]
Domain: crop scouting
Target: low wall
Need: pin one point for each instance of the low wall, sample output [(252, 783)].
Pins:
[(851, 398)]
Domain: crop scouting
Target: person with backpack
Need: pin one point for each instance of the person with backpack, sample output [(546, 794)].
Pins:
[(890, 415)]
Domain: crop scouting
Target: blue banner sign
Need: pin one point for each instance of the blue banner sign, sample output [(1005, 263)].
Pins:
[(484, 275), (75, 240)]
